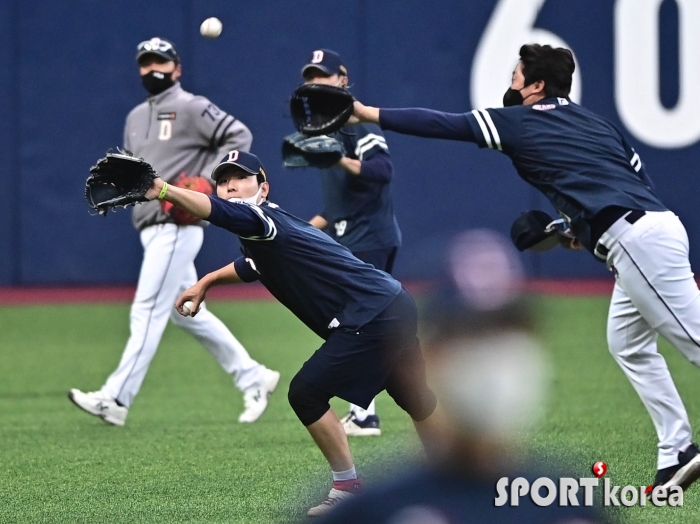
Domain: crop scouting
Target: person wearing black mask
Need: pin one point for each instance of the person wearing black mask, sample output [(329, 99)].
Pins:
[(176, 132)]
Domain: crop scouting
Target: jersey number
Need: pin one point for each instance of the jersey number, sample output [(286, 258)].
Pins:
[(166, 130), (340, 228)]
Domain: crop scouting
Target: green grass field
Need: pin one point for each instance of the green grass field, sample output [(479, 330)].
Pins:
[(182, 457)]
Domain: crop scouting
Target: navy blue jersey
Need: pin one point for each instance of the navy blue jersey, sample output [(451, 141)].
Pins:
[(428, 496), (579, 160), (358, 208), (319, 280)]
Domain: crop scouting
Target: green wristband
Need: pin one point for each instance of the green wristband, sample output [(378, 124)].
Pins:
[(164, 190)]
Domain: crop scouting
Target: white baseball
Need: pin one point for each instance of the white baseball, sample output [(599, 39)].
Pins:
[(211, 27), (188, 307)]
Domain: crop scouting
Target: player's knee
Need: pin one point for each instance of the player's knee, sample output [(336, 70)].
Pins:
[(308, 403), (419, 402)]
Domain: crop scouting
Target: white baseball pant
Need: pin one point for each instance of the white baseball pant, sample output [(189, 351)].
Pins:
[(167, 270), (655, 293)]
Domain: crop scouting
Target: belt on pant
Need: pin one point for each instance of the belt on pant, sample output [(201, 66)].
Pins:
[(600, 250)]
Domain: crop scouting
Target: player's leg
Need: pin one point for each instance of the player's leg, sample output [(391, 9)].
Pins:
[(168, 250), (255, 380), (311, 405), (360, 422), (655, 278)]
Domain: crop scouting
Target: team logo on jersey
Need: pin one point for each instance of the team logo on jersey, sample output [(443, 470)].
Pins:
[(167, 116), (544, 107)]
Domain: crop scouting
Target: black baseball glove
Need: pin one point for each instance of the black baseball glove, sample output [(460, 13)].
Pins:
[(300, 150), (320, 109), (537, 231), (118, 180)]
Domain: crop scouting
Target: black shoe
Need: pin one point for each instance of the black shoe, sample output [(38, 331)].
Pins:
[(682, 474), (369, 427)]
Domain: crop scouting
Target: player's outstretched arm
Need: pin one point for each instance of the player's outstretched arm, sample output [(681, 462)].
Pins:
[(197, 293), (195, 203)]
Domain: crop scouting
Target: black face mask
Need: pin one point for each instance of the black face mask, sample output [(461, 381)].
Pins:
[(512, 97), (156, 82)]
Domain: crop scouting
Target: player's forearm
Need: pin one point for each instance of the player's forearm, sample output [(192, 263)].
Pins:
[(365, 113), (225, 275), (319, 222), (427, 123), (197, 204), (350, 165)]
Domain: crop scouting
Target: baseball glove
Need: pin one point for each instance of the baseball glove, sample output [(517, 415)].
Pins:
[(299, 150), (194, 183), (320, 109), (537, 231), (118, 180)]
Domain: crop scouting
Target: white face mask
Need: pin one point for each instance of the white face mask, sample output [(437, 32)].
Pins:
[(493, 386), (249, 200)]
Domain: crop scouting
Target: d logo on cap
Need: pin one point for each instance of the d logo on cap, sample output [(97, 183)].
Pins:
[(317, 57)]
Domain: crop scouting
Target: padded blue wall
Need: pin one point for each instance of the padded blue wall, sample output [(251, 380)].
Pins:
[(69, 79)]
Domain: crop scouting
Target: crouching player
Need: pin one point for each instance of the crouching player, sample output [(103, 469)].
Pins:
[(367, 320)]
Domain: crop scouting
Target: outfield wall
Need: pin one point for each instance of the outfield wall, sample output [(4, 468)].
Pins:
[(69, 79)]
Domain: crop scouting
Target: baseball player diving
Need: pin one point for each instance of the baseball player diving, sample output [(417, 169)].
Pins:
[(367, 320), (177, 132), (595, 179)]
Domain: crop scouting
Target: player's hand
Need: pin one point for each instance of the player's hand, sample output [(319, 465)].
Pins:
[(196, 294), (155, 188), (573, 244)]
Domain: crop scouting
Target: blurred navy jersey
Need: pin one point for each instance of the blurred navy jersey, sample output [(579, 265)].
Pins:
[(359, 208), (319, 280), (427, 496), (579, 160)]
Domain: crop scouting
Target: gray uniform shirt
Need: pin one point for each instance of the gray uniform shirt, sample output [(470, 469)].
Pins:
[(178, 132)]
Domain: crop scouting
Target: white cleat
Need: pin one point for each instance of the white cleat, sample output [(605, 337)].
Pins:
[(334, 498), (98, 404), (255, 398)]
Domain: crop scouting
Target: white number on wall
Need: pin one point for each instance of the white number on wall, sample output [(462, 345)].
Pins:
[(510, 27), (637, 91)]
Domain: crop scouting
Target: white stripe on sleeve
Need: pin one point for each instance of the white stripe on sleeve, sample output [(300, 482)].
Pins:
[(484, 130), (492, 127)]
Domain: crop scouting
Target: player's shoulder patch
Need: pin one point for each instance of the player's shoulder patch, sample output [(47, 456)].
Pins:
[(544, 107)]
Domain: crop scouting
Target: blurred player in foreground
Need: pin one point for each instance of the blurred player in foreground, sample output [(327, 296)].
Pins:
[(596, 180), (176, 132), (367, 320), (490, 376), (358, 212)]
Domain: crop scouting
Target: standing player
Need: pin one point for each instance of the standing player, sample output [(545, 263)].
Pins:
[(176, 132), (367, 320), (593, 177), (358, 212)]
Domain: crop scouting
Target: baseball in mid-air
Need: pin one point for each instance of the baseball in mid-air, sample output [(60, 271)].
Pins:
[(211, 27), (188, 307)]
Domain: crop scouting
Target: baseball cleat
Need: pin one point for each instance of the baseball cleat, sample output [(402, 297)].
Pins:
[(255, 398), (101, 405), (684, 473), (340, 491), (369, 427)]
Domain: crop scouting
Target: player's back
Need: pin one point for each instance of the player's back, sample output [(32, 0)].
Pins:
[(319, 280)]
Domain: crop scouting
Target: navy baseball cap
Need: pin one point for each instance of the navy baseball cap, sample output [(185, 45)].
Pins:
[(241, 159), (327, 61), (157, 46)]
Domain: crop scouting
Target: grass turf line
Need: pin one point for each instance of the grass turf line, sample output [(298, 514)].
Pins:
[(182, 457)]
